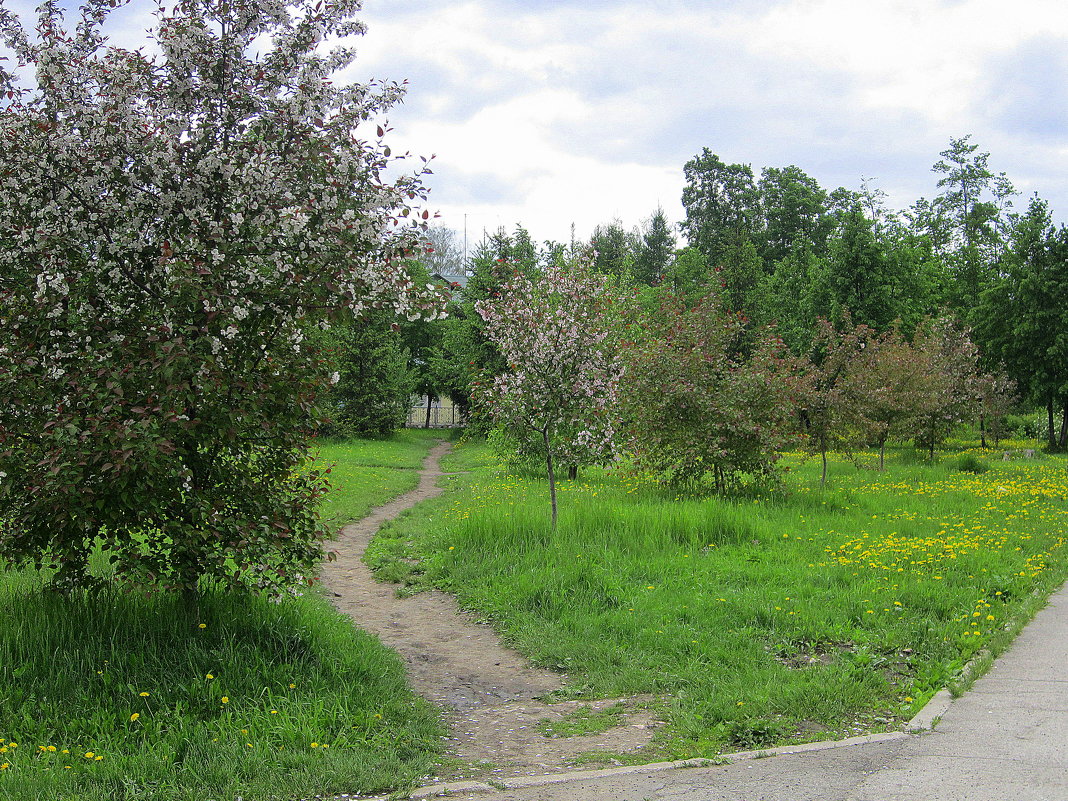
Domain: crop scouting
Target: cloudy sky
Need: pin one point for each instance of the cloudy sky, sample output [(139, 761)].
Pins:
[(581, 111), (549, 114)]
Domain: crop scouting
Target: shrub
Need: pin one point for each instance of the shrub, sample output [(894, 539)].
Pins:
[(970, 463)]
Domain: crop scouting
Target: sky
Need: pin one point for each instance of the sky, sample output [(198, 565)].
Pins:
[(581, 112), (549, 114)]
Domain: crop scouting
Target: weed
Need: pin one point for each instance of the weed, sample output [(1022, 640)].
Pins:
[(581, 721)]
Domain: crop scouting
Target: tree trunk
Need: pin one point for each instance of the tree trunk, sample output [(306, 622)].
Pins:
[(882, 454), (428, 401), (190, 602), (982, 430), (572, 472), (1062, 443), (823, 475), (552, 476), (1049, 425)]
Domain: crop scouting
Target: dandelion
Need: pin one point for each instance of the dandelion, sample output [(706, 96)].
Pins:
[(134, 716), (225, 699), (202, 626), (144, 695), (208, 676)]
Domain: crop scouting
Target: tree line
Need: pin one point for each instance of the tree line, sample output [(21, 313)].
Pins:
[(781, 251)]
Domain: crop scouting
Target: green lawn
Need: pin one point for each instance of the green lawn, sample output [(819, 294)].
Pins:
[(366, 473), (123, 696), (804, 614)]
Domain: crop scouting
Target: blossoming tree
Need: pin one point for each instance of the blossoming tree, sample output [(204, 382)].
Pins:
[(172, 221), (558, 396)]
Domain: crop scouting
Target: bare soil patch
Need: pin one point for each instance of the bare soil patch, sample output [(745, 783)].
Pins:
[(490, 695)]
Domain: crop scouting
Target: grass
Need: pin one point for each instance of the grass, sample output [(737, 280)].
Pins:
[(366, 473), (122, 696), (583, 720), (783, 616)]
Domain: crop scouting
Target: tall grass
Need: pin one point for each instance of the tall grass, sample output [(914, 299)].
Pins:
[(784, 615), (130, 696)]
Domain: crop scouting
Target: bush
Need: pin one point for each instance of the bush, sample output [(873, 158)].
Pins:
[(970, 463)]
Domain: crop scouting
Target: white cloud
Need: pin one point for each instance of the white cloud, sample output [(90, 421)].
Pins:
[(577, 111), (586, 113)]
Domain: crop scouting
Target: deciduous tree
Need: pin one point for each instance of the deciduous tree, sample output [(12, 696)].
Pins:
[(558, 393), (172, 222), (695, 405)]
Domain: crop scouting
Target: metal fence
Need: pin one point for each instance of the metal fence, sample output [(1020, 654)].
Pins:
[(440, 417)]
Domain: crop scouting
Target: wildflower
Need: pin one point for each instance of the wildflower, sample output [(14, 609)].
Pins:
[(144, 695), (89, 754), (225, 699), (315, 745), (209, 676), (202, 626), (134, 716)]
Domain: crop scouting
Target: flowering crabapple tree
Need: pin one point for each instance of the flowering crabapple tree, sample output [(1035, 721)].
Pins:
[(174, 220), (556, 332)]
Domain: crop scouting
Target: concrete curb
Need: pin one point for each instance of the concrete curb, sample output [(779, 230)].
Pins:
[(922, 721)]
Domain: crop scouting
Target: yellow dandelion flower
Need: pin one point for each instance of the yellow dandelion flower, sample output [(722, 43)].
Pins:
[(144, 695), (225, 699), (134, 716), (202, 626)]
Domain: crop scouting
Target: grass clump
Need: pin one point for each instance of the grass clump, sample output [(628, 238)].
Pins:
[(583, 720), (783, 616), (970, 463)]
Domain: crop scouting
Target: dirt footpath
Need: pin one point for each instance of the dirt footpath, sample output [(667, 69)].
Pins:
[(489, 693)]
